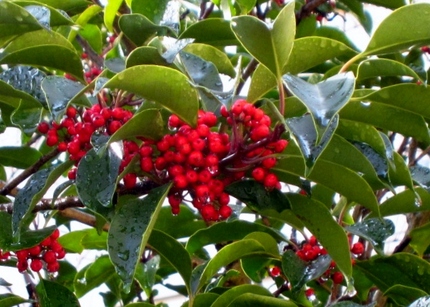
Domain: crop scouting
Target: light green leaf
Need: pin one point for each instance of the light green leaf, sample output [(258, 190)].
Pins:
[(212, 31), (228, 296), (332, 236), (79, 240), (15, 20), (110, 12), (398, 31), (164, 85), (374, 68), (403, 295), (261, 83), (9, 300), (19, 157), (251, 299), (146, 55), (270, 45), (130, 230), (420, 239)]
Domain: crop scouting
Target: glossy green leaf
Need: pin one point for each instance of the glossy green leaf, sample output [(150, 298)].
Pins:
[(9, 300), (420, 239), (15, 20), (19, 157), (250, 299), (50, 293), (154, 11), (47, 16), (222, 231), (92, 276), (31, 193), (130, 230), (96, 180), (261, 83), (323, 100), (228, 254), (398, 269), (327, 49), (352, 304), (305, 134), (27, 116), (257, 197), (79, 240), (83, 20), (421, 175), (110, 12), (147, 123), (203, 300), (271, 46), (212, 31), (59, 91), (378, 162), (332, 236), (164, 85), (398, 31), (403, 295), (299, 272), (406, 202), (174, 252), (374, 68), (228, 296), (214, 55), (201, 72), (399, 173), (255, 267), (66, 5), (138, 28), (146, 55), (375, 230), (265, 239), (387, 117)]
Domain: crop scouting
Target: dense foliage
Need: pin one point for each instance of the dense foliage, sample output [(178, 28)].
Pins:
[(250, 126)]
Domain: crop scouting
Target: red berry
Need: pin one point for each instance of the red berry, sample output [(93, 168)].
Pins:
[(114, 126), (53, 267), (309, 292), (225, 212), (313, 241), (46, 242), (61, 254), (174, 200), (145, 151), (271, 181), (34, 251), (208, 212), (275, 271), (36, 265), (55, 246), (71, 112), (202, 191), (130, 180), (269, 162), (259, 132), (223, 200), (72, 174), (259, 174), (52, 140), (357, 248), (174, 121), (22, 265), (43, 127), (49, 256), (337, 277), (55, 234), (175, 210), (146, 164), (180, 182), (192, 176), (196, 158)]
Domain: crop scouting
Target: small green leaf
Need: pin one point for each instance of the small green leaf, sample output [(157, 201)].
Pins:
[(406, 202), (327, 49), (251, 299), (228, 296), (27, 116), (77, 241), (399, 269), (147, 123), (138, 28), (325, 99), (146, 55), (398, 31), (211, 31), (9, 300), (271, 46), (130, 230), (374, 68), (214, 55), (299, 272), (154, 11), (223, 231), (257, 197), (378, 162), (174, 252), (19, 157), (332, 236), (374, 230), (92, 276), (403, 295), (420, 239), (261, 83), (83, 20), (59, 91), (164, 85), (53, 294), (228, 254), (96, 180)]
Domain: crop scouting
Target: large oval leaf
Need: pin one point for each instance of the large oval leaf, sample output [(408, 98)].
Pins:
[(212, 31), (130, 230), (51, 293), (15, 20), (374, 68), (164, 85)]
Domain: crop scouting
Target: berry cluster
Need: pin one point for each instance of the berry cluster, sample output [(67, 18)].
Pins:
[(49, 251), (73, 133)]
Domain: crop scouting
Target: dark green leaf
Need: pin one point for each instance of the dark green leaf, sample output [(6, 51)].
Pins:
[(374, 68), (255, 267), (204, 299), (378, 162), (154, 11), (352, 304), (250, 299), (53, 294), (374, 230), (92, 276), (398, 269), (164, 85), (318, 219), (271, 46), (96, 180), (257, 197), (139, 28), (223, 231), (130, 230), (19, 157), (398, 31), (406, 202), (403, 295), (174, 253), (212, 31)]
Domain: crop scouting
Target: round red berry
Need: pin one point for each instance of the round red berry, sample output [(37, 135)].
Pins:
[(337, 277), (225, 212), (53, 267), (275, 271), (43, 127), (357, 248), (36, 265), (49, 256), (35, 250), (22, 265)]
